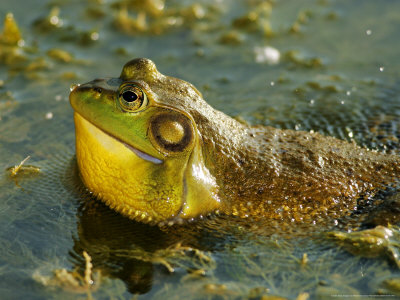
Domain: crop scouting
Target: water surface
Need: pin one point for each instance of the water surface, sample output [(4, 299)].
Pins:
[(338, 73)]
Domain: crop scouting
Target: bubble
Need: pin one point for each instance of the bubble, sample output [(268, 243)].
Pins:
[(54, 20), (267, 54), (94, 36)]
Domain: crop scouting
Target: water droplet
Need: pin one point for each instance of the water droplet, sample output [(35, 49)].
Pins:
[(348, 93), (272, 83), (381, 69), (368, 32), (74, 86)]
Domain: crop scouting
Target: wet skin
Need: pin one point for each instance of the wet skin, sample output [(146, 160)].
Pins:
[(151, 148)]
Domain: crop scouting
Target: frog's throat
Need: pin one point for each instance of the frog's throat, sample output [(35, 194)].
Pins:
[(116, 175), (106, 164)]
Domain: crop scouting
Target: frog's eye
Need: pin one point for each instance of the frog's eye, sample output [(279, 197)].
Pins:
[(131, 98)]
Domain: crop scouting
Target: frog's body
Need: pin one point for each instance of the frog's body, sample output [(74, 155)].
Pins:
[(150, 147)]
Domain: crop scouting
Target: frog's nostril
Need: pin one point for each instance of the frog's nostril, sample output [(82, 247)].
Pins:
[(98, 90), (74, 86)]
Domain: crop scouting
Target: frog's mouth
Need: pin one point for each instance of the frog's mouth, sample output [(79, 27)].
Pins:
[(137, 152)]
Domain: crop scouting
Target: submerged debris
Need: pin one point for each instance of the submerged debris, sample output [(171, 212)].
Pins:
[(379, 241)]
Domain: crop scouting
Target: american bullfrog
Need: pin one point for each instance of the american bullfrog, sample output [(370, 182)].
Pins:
[(151, 148)]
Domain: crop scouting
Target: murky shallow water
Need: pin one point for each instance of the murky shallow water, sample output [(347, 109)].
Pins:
[(338, 74)]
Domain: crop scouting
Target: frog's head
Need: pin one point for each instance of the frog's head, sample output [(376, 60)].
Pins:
[(138, 147)]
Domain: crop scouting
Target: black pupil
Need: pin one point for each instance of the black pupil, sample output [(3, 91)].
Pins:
[(129, 96)]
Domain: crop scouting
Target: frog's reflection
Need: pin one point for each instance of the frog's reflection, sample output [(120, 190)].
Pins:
[(102, 234)]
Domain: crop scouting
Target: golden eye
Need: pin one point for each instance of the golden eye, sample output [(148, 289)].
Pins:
[(132, 98)]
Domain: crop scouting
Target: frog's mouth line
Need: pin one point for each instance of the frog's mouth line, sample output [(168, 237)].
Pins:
[(136, 151), (141, 154)]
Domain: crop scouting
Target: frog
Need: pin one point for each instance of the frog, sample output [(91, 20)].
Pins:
[(152, 149)]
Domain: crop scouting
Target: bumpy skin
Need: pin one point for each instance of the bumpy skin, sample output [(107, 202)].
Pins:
[(201, 161)]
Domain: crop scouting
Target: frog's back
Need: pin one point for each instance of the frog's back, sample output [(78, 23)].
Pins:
[(291, 174)]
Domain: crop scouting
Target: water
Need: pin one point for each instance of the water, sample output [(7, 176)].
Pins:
[(338, 73)]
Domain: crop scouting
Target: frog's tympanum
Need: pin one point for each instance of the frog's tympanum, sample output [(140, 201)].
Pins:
[(151, 148)]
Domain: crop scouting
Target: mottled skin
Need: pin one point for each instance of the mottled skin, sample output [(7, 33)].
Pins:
[(203, 161)]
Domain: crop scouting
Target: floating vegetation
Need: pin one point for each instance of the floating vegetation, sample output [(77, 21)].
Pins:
[(176, 254), (379, 241), (153, 17), (72, 281), (11, 42), (22, 170), (231, 38), (50, 22), (300, 60), (60, 55), (257, 19), (391, 286), (11, 34)]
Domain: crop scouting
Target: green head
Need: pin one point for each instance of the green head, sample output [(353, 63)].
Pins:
[(138, 147)]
